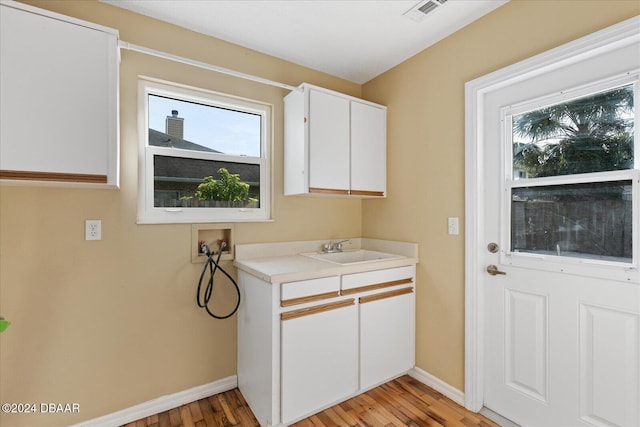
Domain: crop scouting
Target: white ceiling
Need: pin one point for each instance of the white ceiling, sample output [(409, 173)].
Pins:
[(353, 39)]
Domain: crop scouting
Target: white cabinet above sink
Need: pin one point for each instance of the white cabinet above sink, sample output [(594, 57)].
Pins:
[(335, 144)]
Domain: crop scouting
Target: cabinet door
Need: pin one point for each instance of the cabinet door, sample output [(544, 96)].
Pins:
[(319, 358), (328, 143), (58, 98), (387, 336), (368, 149)]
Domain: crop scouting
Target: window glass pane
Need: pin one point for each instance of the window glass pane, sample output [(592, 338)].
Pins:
[(187, 125), (588, 134), (183, 182), (592, 220)]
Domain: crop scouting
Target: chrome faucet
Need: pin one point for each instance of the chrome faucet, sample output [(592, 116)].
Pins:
[(334, 246)]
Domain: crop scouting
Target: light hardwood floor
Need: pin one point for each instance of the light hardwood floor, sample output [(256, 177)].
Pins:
[(401, 402)]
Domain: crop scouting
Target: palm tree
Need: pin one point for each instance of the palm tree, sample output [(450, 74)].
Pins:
[(589, 134)]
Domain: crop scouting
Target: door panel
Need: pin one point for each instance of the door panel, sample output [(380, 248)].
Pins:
[(609, 363), (526, 343), (562, 352)]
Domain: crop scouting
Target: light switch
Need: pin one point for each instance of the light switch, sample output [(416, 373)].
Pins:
[(452, 225)]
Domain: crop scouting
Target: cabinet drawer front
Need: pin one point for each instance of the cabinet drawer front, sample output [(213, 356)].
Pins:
[(379, 279), (304, 291)]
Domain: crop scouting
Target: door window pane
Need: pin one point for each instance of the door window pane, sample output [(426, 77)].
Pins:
[(588, 134), (590, 220)]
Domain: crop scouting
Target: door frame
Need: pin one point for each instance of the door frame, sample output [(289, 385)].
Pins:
[(616, 36)]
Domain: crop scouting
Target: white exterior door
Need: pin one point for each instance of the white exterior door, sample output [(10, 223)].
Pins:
[(556, 246)]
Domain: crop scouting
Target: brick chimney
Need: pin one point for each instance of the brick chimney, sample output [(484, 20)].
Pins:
[(174, 125)]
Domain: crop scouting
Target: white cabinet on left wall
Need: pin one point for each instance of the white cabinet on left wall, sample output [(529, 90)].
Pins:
[(58, 99)]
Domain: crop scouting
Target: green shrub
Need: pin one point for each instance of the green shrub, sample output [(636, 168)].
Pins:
[(228, 187)]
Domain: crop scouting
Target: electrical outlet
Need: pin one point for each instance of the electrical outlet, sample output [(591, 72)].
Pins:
[(452, 225), (93, 229)]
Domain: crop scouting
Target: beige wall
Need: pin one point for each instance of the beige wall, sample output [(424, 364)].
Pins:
[(112, 324), (425, 99)]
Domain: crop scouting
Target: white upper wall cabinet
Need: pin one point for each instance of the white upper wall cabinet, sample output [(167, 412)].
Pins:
[(368, 149), (58, 99), (334, 144), (328, 127)]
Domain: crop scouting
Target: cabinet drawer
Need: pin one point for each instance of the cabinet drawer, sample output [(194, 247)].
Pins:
[(304, 291), (379, 279)]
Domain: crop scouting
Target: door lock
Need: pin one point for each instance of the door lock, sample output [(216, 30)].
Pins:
[(493, 247), (493, 270)]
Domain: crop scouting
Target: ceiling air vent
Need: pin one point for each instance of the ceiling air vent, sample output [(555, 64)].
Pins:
[(420, 10)]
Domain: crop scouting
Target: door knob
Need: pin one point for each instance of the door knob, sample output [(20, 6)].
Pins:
[(493, 270)]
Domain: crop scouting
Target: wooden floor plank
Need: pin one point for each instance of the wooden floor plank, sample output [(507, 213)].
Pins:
[(174, 417), (401, 402), (390, 403), (345, 416), (185, 416), (164, 420), (207, 412)]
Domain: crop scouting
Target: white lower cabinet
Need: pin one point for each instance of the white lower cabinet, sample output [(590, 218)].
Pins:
[(319, 359), (387, 345), (306, 345), (386, 319)]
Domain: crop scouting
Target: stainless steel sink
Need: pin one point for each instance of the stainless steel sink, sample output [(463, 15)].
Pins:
[(351, 257)]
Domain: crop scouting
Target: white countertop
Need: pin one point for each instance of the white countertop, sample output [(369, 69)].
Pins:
[(285, 264)]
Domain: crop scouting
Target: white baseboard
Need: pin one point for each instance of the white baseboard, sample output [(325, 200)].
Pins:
[(163, 403), (438, 385)]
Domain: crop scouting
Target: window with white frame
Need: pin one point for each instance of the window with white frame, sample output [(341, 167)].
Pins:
[(574, 168), (204, 156)]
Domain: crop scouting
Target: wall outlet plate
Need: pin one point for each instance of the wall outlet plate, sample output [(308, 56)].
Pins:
[(93, 229)]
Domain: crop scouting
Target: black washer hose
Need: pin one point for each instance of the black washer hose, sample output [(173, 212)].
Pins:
[(208, 293)]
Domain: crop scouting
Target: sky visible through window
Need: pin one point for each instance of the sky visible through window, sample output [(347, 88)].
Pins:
[(230, 132)]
